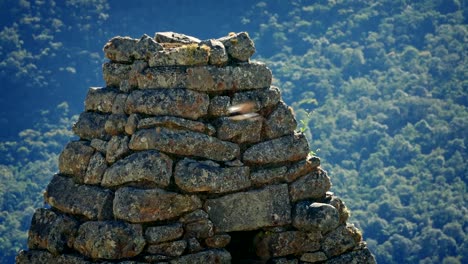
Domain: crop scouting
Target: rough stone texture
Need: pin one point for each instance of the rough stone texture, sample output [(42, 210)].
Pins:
[(114, 73), (302, 168), (186, 143), (132, 124), (170, 249), (202, 228), (311, 186), (237, 78), (161, 77), (286, 243), (218, 241), (41, 257), (250, 210), (239, 131), (173, 37), (218, 256), (177, 102), (176, 123), (185, 55), (239, 46), (125, 49), (100, 99), (91, 125), (146, 166), (363, 256), (283, 149), (219, 106), (261, 98), (280, 122), (268, 176), (99, 145), (314, 257), (193, 245), (92, 202), (218, 55), (117, 147), (51, 231), (75, 158), (340, 240), (284, 261), (115, 124), (96, 168), (194, 176), (109, 240), (138, 205), (118, 106), (342, 209), (165, 233), (315, 217)]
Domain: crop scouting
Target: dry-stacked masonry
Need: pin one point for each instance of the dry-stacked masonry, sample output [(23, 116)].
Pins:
[(188, 155)]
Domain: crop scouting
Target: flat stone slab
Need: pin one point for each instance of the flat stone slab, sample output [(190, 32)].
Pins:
[(91, 125), (314, 185), (146, 166), (218, 256), (194, 176), (283, 149), (139, 205), (287, 243), (126, 49), (174, 102), (75, 158), (176, 123), (250, 210), (183, 142), (91, 202), (109, 240), (184, 55), (315, 217), (100, 99), (164, 233)]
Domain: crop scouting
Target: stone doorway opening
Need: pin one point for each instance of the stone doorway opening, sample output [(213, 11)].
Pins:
[(242, 248)]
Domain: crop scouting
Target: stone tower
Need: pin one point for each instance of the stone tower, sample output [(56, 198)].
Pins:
[(189, 155)]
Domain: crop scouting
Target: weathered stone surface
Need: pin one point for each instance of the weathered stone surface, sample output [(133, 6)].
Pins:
[(315, 217), (341, 207), (340, 240), (96, 168), (194, 176), (363, 256), (118, 106), (286, 243), (250, 210), (314, 257), (194, 216), (283, 149), (193, 245), (159, 234), (284, 261), (302, 168), (138, 205), (268, 176), (100, 99), (176, 102), (261, 98), (132, 124), (51, 231), (170, 249), (99, 145), (218, 54), (218, 241), (117, 147), (218, 256), (239, 131), (176, 123), (200, 229), (109, 240), (125, 49), (115, 124), (75, 158), (173, 37), (160, 259), (219, 106), (185, 143), (311, 186), (184, 55), (241, 77), (280, 122), (161, 77), (91, 202), (147, 166), (239, 46), (41, 257), (91, 125), (114, 73)]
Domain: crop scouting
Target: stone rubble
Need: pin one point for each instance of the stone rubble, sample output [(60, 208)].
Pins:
[(188, 146)]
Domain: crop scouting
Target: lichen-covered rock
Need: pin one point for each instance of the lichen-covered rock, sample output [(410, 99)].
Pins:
[(118, 106), (115, 124), (286, 243), (218, 256), (176, 102), (170, 249), (173, 37), (218, 241), (41, 257), (240, 77), (96, 168), (51, 231), (239, 46), (261, 98), (311, 186), (218, 54), (280, 122), (185, 55), (250, 210), (341, 207), (268, 176), (109, 240), (91, 125), (284, 261), (283, 149), (185, 143), (194, 176), (363, 256), (219, 106), (302, 168), (314, 257), (126, 49), (164, 233), (132, 124), (92, 202), (117, 147), (340, 240), (176, 123), (315, 217), (146, 166), (239, 131), (100, 99), (139, 205), (161, 77), (115, 73), (75, 158), (99, 145), (197, 225)]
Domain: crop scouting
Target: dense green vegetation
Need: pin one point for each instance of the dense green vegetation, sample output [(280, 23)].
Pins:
[(381, 87)]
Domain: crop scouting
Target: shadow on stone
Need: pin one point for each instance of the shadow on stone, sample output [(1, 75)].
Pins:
[(242, 247)]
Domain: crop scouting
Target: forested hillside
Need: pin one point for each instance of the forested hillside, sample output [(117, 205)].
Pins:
[(380, 88)]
